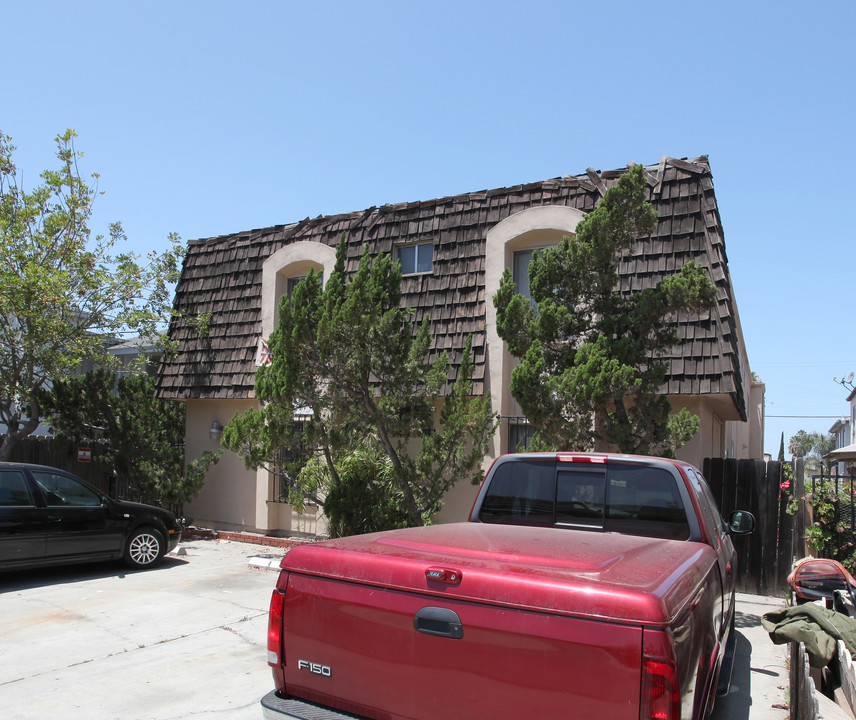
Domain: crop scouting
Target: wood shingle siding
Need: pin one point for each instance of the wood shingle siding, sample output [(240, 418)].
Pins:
[(223, 276)]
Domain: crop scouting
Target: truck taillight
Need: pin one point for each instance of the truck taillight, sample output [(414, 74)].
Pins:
[(661, 696), (274, 641)]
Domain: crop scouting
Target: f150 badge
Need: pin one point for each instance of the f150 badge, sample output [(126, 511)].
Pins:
[(315, 668)]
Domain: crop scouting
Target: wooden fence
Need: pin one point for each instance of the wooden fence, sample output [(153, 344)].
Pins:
[(65, 455), (765, 557)]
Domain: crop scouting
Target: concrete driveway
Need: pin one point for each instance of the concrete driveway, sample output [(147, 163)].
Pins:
[(186, 639)]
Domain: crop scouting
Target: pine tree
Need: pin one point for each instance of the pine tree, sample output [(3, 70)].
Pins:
[(349, 359), (144, 434), (589, 367)]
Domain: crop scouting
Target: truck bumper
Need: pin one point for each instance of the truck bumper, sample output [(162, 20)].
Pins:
[(276, 708)]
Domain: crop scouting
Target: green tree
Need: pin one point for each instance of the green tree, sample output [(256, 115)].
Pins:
[(145, 434), (812, 446), (366, 497), (589, 368), (349, 358), (62, 290), (801, 444)]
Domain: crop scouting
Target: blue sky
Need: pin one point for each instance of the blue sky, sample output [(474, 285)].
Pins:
[(206, 118)]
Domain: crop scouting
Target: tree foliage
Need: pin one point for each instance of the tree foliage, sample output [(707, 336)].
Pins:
[(812, 446), (145, 434), (350, 360), (366, 497), (63, 290), (589, 368)]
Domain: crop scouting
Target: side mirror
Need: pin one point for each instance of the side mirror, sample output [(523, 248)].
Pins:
[(741, 522)]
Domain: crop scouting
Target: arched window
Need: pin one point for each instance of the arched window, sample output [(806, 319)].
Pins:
[(511, 244), (282, 270)]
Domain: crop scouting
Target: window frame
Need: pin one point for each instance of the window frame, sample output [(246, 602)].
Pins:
[(416, 260), (594, 517)]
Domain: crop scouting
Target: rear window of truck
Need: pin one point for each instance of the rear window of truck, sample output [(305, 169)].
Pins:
[(629, 499)]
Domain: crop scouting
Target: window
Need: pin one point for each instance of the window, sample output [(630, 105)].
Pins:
[(521, 493), (291, 285), (415, 258), (61, 490), (288, 462), (631, 499), (520, 272), (645, 501), (13, 489), (580, 496), (520, 434)]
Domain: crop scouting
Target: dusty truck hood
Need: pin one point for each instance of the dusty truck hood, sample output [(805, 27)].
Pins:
[(620, 578)]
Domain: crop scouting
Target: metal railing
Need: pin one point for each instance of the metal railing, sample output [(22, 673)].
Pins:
[(283, 479)]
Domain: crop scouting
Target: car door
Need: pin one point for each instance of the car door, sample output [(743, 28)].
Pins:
[(79, 521), (22, 524)]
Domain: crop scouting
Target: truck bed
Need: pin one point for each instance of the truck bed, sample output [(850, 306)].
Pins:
[(605, 576), (470, 620)]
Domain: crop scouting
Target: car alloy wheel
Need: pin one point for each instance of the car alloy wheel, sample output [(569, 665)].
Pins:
[(145, 547)]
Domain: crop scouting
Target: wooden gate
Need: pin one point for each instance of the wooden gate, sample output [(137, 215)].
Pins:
[(765, 557)]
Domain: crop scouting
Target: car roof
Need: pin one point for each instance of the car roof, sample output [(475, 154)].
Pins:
[(32, 466)]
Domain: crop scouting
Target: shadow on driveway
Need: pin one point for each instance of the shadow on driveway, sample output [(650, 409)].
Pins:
[(17, 580)]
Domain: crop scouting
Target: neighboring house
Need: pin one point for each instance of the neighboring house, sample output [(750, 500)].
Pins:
[(453, 251), (840, 431), (135, 352), (43, 430), (845, 446)]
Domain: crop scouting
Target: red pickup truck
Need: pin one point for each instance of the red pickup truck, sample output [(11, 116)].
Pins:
[(584, 585)]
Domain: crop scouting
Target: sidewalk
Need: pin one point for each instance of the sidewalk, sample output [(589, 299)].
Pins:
[(759, 684)]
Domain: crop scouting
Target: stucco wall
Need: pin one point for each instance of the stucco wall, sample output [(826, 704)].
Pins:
[(230, 497)]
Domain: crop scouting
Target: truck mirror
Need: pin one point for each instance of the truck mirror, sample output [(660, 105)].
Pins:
[(741, 523)]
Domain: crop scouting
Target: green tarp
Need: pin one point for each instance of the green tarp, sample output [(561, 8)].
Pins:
[(817, 627)]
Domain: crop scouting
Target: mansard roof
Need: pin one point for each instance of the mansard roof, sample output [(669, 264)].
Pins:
[(223, 276)]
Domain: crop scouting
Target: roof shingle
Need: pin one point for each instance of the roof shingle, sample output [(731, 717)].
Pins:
[(223, 276)]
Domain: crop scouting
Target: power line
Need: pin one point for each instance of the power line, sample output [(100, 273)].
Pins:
[(810, 417)]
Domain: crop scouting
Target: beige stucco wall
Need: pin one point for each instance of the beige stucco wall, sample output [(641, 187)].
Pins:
[(229, 499), (233, 497)]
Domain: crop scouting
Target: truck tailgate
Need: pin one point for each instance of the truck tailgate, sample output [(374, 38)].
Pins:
[(399, 654)]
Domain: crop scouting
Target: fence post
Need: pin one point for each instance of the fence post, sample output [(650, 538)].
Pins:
[(800, 519)]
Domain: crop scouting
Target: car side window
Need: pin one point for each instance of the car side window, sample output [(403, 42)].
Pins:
[(709, 508), (63, 491), (14, 491)]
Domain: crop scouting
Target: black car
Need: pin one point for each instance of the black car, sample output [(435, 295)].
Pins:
[(51, 517)]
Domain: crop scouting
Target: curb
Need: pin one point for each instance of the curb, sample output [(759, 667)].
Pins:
[(265, 562), (260, 561)]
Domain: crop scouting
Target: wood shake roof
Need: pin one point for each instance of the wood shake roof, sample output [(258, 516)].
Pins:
[(223, 276)]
